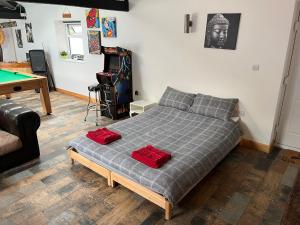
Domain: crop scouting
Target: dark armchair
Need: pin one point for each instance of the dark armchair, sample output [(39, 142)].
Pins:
[(18, 138)]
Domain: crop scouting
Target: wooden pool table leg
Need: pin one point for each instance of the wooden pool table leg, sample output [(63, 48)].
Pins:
[(44, 95)]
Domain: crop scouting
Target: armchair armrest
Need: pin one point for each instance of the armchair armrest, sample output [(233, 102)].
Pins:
[(19, 120)]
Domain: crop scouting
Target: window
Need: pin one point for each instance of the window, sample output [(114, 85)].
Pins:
[(69, 36), (74, 40)]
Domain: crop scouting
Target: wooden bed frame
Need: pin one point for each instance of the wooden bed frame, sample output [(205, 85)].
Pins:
[(113, 178)]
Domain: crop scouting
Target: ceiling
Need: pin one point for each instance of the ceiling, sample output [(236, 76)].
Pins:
[(12, 10), (118, 5)]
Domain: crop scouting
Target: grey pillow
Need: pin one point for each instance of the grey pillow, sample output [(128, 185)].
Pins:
[(176, 99), (221, 108)]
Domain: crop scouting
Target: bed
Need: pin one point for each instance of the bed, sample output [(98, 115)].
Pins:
[(197, 144)]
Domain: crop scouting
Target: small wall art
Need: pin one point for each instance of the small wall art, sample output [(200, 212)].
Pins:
[(94, 38), (19, 38), (28, 28), (109, 28), (92, 18), (222, 30), (8, 24)]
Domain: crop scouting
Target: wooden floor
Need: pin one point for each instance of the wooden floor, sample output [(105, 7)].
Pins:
[(247, 188)]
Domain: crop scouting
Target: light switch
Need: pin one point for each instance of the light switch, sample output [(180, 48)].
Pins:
[(255, 67)]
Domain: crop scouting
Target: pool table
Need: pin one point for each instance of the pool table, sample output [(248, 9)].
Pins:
[(12, 82)]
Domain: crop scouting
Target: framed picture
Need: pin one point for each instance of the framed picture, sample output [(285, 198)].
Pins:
[(19, 38), (109, 28), (92, 18), (8, 24), (222, 30), (28, 28), (94, 40)]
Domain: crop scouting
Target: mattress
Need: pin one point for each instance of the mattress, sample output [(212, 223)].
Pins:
[(197, 144)]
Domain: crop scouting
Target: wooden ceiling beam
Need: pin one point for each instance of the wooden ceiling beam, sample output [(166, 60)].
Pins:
[(11, 10), (118, 5)]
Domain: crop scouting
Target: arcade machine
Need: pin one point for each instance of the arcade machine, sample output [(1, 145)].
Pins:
[(116, 82)]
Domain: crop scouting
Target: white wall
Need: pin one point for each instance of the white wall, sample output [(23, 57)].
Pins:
[(163, 55)]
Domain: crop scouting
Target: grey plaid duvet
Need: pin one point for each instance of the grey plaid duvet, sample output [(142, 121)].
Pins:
[(197, 144)]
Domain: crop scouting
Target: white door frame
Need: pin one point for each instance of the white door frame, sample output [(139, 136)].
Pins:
[(287, 73)]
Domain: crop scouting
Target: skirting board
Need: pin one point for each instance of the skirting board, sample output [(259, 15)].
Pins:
[(76, 95), (244, 142), (256, 145), (287, 147)]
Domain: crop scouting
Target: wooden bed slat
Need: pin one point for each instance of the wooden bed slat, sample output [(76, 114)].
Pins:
[(113, 177), (89, 164), (139, 189), (144, 192)]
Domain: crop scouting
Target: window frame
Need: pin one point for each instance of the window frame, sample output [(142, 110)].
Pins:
[(68, 36)]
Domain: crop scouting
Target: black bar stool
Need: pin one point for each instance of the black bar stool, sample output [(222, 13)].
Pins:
[(96, 88), (99, 105)]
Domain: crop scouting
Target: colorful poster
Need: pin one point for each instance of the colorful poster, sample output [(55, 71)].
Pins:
[(28, 28), (19, 38), (92, 18), (94, 42), (109, 28)]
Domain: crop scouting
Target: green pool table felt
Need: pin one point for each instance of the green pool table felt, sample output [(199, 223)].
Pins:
[(8, 76)]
